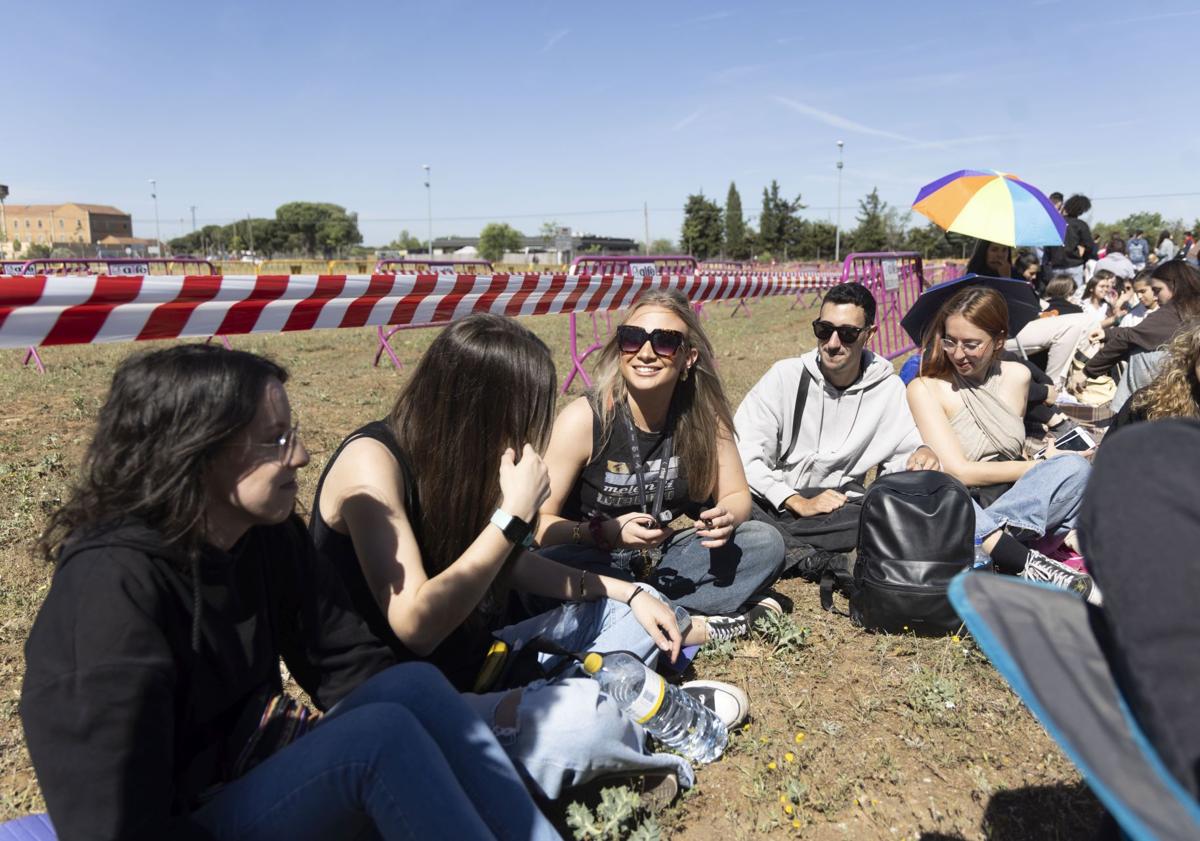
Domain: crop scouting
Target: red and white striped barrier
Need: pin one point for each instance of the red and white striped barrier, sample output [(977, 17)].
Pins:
[(41, 311)]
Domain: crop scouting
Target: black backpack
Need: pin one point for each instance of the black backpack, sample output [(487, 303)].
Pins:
[(916, 533)]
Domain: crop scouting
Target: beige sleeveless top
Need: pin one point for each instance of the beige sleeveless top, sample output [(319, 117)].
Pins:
[(986, 427)]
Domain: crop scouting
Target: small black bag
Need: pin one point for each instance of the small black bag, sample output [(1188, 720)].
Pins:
[(916, 533)]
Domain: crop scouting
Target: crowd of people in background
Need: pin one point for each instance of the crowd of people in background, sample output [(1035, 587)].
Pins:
[(463, 549)]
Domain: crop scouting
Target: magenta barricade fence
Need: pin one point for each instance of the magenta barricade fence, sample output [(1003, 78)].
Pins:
[(50, 310), (895, 278)]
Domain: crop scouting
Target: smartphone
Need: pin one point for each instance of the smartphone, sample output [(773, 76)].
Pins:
[(1077, 440)]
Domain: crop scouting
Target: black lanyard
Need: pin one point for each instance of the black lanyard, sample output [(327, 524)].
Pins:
[(636, 455)]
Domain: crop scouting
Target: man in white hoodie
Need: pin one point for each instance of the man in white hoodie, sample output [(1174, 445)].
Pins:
[(813, 426)]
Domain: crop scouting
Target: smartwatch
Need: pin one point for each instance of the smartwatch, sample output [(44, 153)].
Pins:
[(516, 530)]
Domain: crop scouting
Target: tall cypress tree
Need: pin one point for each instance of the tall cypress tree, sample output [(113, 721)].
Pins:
[(736, 245)]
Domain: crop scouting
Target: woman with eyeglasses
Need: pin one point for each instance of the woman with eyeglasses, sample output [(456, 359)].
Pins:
[(969, 407), (152, 703), (653, 442)]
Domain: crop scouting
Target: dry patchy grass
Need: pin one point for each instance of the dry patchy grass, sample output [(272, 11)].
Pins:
[(854, 735)]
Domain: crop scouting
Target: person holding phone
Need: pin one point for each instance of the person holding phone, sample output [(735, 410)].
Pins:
[(653, 441), (968, 404)]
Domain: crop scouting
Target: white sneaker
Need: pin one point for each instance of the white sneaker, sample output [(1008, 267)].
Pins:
[(1049, 571), (730, 703)]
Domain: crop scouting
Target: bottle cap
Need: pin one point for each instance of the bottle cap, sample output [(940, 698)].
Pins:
[(592, 663)]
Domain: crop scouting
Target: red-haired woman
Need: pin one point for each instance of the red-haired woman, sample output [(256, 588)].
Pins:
[(968, 405)]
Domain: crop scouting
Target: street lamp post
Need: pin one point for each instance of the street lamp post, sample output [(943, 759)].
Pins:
[(157, 232), (429, 206), (837, 237), (3, 219)]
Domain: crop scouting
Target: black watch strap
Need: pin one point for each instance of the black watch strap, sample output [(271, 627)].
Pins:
[(516, 530)]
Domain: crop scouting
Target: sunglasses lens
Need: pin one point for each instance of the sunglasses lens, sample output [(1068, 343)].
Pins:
[(630, 339), (666, 342), (822, 330)]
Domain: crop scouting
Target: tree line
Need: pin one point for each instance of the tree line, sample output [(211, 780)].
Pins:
[(300, 228)]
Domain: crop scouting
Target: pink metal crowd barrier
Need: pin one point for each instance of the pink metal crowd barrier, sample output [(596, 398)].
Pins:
[(112, 266), (414, 265), (895, 278)]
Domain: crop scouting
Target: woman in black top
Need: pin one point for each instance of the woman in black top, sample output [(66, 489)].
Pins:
[(427, 514), (1175, 391), (653, 442), (152, 700)]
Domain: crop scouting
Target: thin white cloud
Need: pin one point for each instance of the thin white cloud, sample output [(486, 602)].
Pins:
[(555, 38), (688, 120), (838, 121)]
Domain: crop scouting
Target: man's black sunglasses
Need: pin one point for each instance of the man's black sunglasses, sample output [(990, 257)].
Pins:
[(664, 343), (848, 333)]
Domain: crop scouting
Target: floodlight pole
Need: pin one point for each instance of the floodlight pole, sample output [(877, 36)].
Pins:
[(837, 237), (157, 231), (429, 206)]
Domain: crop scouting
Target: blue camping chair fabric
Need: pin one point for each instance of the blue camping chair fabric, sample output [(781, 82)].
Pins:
[(1042, 641), (29, 828)]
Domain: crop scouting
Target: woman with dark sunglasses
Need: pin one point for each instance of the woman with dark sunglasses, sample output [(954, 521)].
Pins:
[(651, 443)]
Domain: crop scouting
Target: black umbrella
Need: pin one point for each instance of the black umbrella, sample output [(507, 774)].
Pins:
[(1023, 306)]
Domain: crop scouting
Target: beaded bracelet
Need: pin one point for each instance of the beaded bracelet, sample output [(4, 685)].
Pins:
[(633, 595)]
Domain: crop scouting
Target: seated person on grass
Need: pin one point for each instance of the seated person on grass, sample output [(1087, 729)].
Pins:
[(813, 426), (969, 407), (652, 442), (152, 701)]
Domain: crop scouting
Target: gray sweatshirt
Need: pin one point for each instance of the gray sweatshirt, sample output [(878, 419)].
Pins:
[(843, 433)]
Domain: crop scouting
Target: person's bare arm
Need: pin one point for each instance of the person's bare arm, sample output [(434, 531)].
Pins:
[(939, 436), (363, 496)]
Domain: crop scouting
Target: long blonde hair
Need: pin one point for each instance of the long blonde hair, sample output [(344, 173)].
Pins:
[(1175, 392), (699, 409)]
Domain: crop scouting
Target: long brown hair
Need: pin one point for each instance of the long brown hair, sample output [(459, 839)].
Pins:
[(699, 407), (1175, 392), (1184, 281), (983, 307), (485, 384)]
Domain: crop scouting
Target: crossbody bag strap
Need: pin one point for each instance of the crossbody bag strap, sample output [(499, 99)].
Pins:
[(801, 398)]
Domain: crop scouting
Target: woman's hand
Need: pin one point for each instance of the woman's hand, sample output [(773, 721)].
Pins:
[(636, 531), (1096, 335), (716, 526), (524, 484), (1076, 381), (658, 619)]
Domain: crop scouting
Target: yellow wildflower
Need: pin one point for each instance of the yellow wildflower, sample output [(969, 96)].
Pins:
[(771, 765), (796, 824), (789, 757), (789, 808), (799, 738)]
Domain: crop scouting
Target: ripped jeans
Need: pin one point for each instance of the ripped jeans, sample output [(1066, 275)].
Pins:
[(566, 732), (1046, 500)]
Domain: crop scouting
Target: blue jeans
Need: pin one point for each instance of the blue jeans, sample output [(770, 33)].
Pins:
[(402, 757), (567, 732), (701, 580), (1045, 500)]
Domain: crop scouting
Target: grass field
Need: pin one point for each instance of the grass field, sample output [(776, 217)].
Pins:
[(853, 735)]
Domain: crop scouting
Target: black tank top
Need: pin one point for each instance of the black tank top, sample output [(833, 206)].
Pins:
[(462, 653), (607, 484)]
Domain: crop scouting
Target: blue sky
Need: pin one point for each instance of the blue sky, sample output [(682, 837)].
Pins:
[(536, 111)]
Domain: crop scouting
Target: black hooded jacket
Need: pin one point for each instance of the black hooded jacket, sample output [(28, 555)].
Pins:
[(126, 724)]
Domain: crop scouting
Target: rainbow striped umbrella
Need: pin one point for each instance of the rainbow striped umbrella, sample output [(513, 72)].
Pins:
[(991, 205)]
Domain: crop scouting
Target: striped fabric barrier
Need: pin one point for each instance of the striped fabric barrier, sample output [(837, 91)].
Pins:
[(42, 311)]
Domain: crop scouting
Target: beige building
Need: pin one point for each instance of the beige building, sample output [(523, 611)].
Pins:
[(66, 224)]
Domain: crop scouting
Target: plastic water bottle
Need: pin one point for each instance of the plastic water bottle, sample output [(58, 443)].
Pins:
[(983, 561), (668, 713)]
